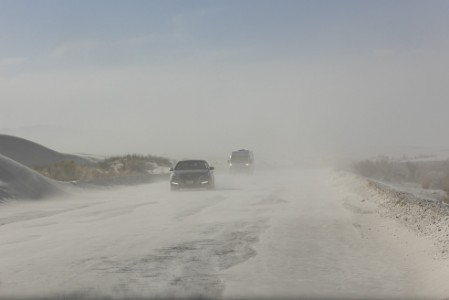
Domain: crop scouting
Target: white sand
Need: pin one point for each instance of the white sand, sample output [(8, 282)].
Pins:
[(296, 234)]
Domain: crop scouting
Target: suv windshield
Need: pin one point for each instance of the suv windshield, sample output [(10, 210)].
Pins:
[(191, 165)]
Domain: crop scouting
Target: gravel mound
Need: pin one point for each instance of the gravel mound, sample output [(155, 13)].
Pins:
[(427, 217)]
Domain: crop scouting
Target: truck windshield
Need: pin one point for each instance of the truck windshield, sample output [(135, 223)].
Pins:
[(240, 158)]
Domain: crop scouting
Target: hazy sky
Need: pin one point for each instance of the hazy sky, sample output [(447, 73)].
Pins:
[(206, 77)]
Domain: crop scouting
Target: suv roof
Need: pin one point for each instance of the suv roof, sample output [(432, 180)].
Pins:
[(192, 160)]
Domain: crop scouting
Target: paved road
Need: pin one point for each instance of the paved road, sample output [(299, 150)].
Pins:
[(284, 234)]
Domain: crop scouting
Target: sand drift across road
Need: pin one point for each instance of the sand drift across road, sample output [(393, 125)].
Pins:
[(286, 234)]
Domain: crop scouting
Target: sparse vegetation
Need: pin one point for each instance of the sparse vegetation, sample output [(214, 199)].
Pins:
[(428, 174), (127, 165)]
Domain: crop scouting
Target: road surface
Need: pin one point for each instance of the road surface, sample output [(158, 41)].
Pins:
[(285, 234)]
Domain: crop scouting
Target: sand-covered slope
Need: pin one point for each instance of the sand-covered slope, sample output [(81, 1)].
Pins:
[(32, 154), (19, 181)]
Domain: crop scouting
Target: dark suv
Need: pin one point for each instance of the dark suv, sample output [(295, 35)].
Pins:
[(192, 174)]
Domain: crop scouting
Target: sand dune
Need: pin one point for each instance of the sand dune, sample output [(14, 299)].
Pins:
[(32, 154), (19, 181)]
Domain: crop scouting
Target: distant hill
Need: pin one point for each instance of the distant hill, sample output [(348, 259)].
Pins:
[(32, 154), (18, 181)]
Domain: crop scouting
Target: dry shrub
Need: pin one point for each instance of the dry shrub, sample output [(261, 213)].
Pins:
[(68, 170), (114, 166), (425, 181), (428, 174)]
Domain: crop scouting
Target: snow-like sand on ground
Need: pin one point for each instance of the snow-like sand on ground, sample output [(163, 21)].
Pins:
[(307, 233)]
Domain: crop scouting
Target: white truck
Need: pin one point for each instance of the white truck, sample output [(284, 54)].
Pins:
[(241, 161)]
